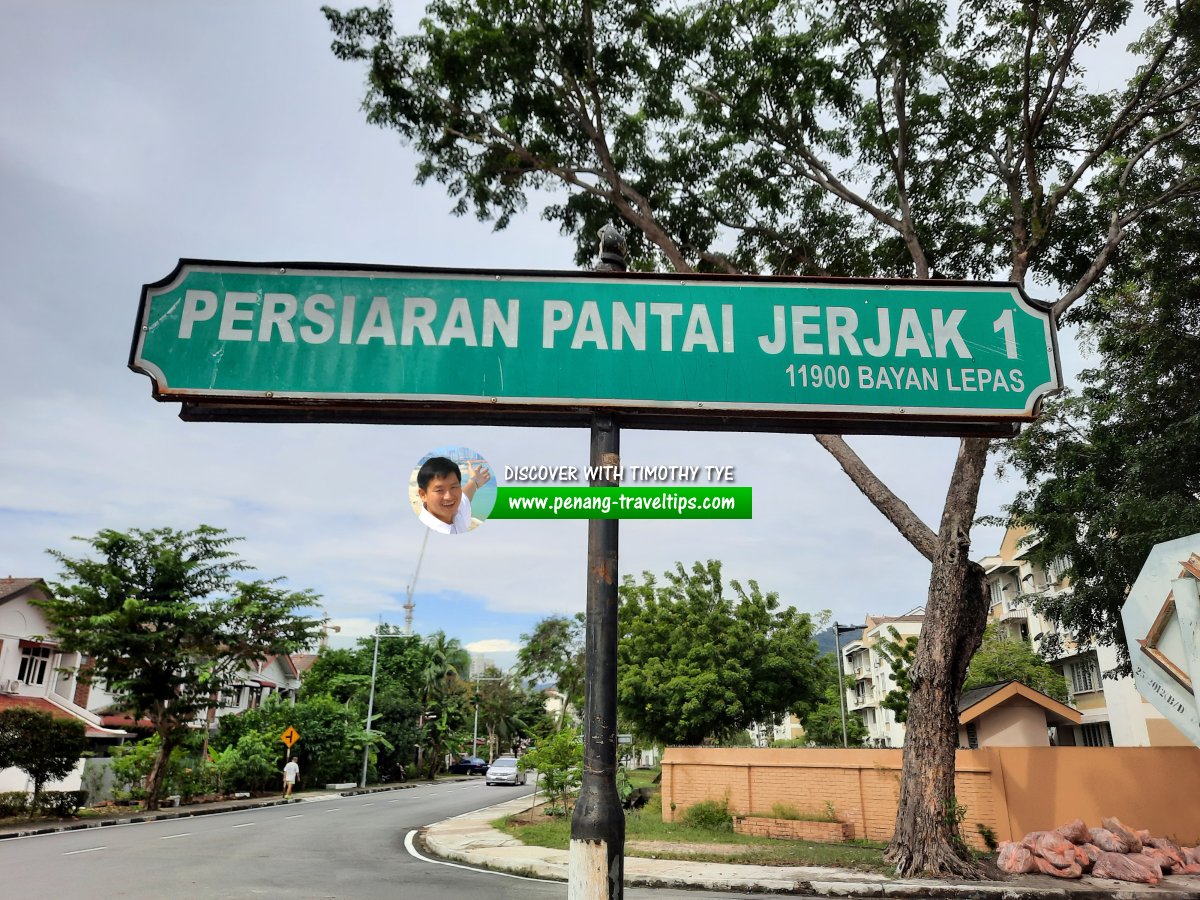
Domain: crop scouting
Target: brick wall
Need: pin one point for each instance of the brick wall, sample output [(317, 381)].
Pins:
[(1012, 790)]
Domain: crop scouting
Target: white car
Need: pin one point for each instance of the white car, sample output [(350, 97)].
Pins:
[(503, 770)]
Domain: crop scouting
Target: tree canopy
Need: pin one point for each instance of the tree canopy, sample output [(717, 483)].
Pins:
[(695, 664), (43, 746), (554, 651), (168, 626), (1004, 658), (1114, 468)]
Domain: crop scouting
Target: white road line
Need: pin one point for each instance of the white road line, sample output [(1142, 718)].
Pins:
[(372, 803), (88, 850), (412, 850), (397, 800), (335, 809), (167, 837), (244, 825), (300, 816)]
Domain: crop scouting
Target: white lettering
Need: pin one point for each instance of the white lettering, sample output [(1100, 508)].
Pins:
[(458, 325), (556, 316), (494, 322), (198, 306), (841, 323), (775, 344), (278, 310), (911, 336), (590, 329), (232, 313), (378, 324), (315, 312), (666, 313), (946, 332), (419, 313), (699, 330)]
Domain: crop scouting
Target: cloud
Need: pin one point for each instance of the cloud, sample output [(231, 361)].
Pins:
[(493, 645)]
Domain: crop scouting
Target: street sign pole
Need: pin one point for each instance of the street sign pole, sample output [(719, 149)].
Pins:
[(596, 864)]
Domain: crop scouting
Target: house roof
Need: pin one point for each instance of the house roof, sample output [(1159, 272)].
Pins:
[(10, 587), (974, 703), (41, 704), (302, 662)]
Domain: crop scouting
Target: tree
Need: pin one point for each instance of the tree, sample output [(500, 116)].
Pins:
[(823, 723), (900, 652), (554, 650), (167, 626), (1003, 658), (43, 746), (795, 136), (559, 763), (695, 665), (1115, 469)]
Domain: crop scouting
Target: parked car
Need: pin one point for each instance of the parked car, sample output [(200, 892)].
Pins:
[(503, 770), (469, 765)]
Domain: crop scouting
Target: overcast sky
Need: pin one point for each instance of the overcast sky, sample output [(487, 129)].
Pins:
[(137, 133)]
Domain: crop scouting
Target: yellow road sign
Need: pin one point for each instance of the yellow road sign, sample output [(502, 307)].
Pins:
[(290, 736)]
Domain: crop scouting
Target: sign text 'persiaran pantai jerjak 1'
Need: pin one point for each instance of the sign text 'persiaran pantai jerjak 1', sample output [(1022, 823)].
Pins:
[(329, 342)]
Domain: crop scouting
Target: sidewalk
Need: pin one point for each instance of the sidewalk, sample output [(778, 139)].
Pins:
[(471, 839)]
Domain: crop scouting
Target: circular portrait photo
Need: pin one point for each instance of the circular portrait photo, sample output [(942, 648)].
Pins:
[(452, 490)]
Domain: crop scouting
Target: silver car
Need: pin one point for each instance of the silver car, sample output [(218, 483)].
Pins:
[(503, 770)]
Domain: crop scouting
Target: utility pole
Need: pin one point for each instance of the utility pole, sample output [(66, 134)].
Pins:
[(838, 631)]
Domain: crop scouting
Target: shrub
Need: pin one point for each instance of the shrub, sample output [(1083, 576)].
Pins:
[(63, 804), (13, 803), (712, 815)]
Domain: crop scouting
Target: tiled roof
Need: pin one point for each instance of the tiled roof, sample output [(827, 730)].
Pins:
[(11, 586), (41, 704), (303, 661)]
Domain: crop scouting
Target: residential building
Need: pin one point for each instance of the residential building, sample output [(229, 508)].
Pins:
[(36, 674), (1010, 714), (1112, 711), (867, 675)]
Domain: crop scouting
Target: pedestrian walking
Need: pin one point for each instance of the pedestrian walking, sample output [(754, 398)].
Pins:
[(290, 773)]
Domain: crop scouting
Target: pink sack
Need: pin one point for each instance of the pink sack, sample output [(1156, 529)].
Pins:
[(1169, 847), (1125, 833), (1086, 855), (1161, 858), (1075, 832), (1055, 849), (1048, 868), (1122, 867), (1108, 842), (1015, 859)]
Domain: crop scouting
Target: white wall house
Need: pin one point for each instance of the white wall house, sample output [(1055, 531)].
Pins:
[(867, 676), (35, 674)]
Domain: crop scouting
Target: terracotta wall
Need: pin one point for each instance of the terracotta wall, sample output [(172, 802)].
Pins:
[(1012, 790)]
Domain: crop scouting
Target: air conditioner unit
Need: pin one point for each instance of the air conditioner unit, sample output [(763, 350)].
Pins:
[(10, 686)]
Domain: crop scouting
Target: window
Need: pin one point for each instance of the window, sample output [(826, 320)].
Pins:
[(1083, 677), (1096, 734), (997, 591), (1055, 569), (34, 663), (972, 736)]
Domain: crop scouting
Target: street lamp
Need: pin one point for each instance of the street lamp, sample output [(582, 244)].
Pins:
[(475, 735), (362, 783), (838, 631)]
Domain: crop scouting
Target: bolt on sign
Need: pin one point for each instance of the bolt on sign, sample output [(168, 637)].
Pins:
[(322, 342)]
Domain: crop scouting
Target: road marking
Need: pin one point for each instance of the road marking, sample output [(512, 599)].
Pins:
[(244, 825), (397, 800), (372, 803), (300, 816), (335, 809), (167, 837), (88, 850), (412, 850)]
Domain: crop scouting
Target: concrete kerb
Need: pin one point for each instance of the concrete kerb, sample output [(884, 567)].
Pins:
[(471, 839)]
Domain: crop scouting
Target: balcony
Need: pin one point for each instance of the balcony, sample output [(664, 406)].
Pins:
[(1013, 610)]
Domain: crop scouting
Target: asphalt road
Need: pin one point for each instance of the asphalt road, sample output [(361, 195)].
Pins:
[(349, 848)]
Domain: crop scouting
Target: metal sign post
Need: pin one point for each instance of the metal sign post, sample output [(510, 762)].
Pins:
[(596, 865)]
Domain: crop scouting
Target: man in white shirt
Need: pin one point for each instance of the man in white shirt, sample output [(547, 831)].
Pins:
[(445, 500), (290, 773)]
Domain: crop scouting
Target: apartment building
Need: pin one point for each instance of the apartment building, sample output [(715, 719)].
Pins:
[(867, 675), (1113, 713)]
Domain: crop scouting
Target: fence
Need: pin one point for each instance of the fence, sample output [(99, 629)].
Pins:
[(1011, 790)]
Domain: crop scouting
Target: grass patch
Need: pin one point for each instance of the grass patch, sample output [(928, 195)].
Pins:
[(640, 778), (795, 814), (677, 841)]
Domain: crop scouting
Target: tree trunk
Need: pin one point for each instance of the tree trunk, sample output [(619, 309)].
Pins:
[(926, 840), (158, 771)]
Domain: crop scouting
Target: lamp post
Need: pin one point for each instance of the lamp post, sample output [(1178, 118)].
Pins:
[(475, 735), (362, 782), (838, 631)]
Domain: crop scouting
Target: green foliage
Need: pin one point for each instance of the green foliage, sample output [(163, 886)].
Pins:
[(43, 746), (62, 804), (133, 762), (794, 813), (1115, 469), (956, 814), (13, 803), (168, 625), (1003, 658), (899, 652), (989, 837), (694, 664), (554, 651), (559, 763), (713, 815), (823, 724)]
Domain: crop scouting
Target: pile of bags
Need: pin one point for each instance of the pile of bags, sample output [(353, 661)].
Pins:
[(1113, 851)]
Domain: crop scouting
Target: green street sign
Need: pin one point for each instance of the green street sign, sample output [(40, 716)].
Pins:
[(305, 341)]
